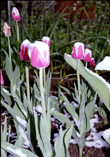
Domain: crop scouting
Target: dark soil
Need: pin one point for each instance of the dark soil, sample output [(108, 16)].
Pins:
[(88, 151)]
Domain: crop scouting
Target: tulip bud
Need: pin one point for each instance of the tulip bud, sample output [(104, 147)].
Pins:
[(92, 63), (1, 78), (15, 14), (24, 50), (6, 29), (40, 54), (78, 51), (88, 55), (46, 40)]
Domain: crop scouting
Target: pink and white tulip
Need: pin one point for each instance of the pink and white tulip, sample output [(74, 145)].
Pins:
[(88, 55), (46, 40), (92, 63), (24, 50), (1, 78), (78, 51), (6, 29), (15, 14), (39, 54)]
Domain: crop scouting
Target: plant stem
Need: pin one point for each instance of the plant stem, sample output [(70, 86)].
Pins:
[(9, 48), (80, 151), (27, 81), (86, 64), (78, 80), (42, 95), (44, 76), (17, 36), (85, 80)]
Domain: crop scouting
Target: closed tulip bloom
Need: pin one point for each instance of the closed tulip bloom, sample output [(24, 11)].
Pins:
[(39, 54), (78, 51), (6, 29), (92, 63), (15, 14), (46, 40), (24, 50), (1, 78), (88, 55)]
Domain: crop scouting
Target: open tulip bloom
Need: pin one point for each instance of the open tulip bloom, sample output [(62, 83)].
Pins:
[(39, 54), (24, 50), (46, 40), (78, 51), (88, 55)]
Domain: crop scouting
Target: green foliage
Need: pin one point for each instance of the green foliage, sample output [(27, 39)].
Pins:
[(15, 150), (4, 136), (97, 82), (31, 128)]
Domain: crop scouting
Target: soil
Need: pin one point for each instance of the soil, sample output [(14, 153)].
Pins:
[(88, 151)]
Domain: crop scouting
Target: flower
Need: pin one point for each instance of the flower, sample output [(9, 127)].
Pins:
[(46, 40), (6, 29), (78, 51), (24, 50), (1, 78), (15, 14), (88, 55), (39, 54), (92, 63)]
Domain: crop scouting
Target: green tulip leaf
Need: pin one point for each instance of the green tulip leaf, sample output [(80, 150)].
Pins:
[(16, 151)]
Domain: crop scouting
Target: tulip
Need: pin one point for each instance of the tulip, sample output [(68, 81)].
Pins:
[(92, 63), (24, 50), (88, 55), (40, 58), (1, 78), (39, 54), (15, 14), (46, 40), (24, 55), (6, 29), (78, 51)]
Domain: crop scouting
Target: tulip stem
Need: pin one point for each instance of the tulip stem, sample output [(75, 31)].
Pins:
[(85, 80), (44, 76), (27, 81), (42, 94), (9, 48), (17, 36), (78, 80)]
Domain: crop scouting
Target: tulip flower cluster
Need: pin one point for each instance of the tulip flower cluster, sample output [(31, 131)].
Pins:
[(79, 52), (38, 52)]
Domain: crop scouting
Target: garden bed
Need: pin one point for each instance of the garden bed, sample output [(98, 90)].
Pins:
[(95, 144)]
